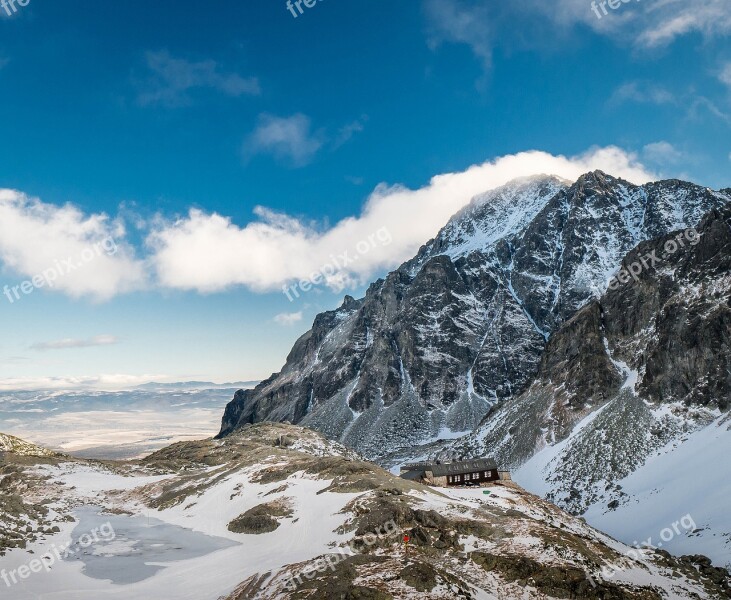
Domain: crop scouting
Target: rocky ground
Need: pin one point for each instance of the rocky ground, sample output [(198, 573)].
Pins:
[(306, 518)]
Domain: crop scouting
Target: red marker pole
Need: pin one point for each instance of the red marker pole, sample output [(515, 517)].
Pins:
[(406, 544)]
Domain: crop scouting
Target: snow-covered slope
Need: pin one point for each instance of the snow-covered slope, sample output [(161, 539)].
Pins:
[(687, 476), (278, 512), (9, 443), (461, 328), (628, 416)]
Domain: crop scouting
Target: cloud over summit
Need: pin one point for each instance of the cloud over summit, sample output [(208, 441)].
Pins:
[(207, 252)]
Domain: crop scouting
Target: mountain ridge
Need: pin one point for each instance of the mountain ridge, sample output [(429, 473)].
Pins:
[(440, 341)]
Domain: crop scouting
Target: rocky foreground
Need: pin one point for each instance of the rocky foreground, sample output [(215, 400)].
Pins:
[(294, 515)]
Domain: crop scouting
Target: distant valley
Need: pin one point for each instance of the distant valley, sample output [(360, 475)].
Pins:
[(115, 425)]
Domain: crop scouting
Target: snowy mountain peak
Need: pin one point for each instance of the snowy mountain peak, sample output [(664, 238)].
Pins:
[(460, 328), (633, 391), (493, 216)]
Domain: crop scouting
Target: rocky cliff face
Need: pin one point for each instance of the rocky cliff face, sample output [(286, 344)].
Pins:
[(660, 339), (462, 327)]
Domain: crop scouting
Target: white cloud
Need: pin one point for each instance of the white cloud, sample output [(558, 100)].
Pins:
[(208, 252), (346, 132), (85, 255), (725, 74), (482, 25), (701, 103), (292, 139), (648, 93), (288, 138), (662, 153), (288, 318), (665, 20), (114, 381), (13, 360), (99, 340), (643, 92), (172, 79), (647, 24), (455, 21)]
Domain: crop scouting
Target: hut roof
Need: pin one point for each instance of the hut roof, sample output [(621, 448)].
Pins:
[(462, 466), (413, 474)]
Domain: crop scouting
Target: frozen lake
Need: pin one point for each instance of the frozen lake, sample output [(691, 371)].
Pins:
[(138, 548)]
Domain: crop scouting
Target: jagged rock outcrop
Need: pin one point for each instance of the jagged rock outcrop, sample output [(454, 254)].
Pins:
[(649, 362), (462, 327)]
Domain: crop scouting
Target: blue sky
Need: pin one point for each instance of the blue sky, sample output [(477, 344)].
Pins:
[(223, 150)]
